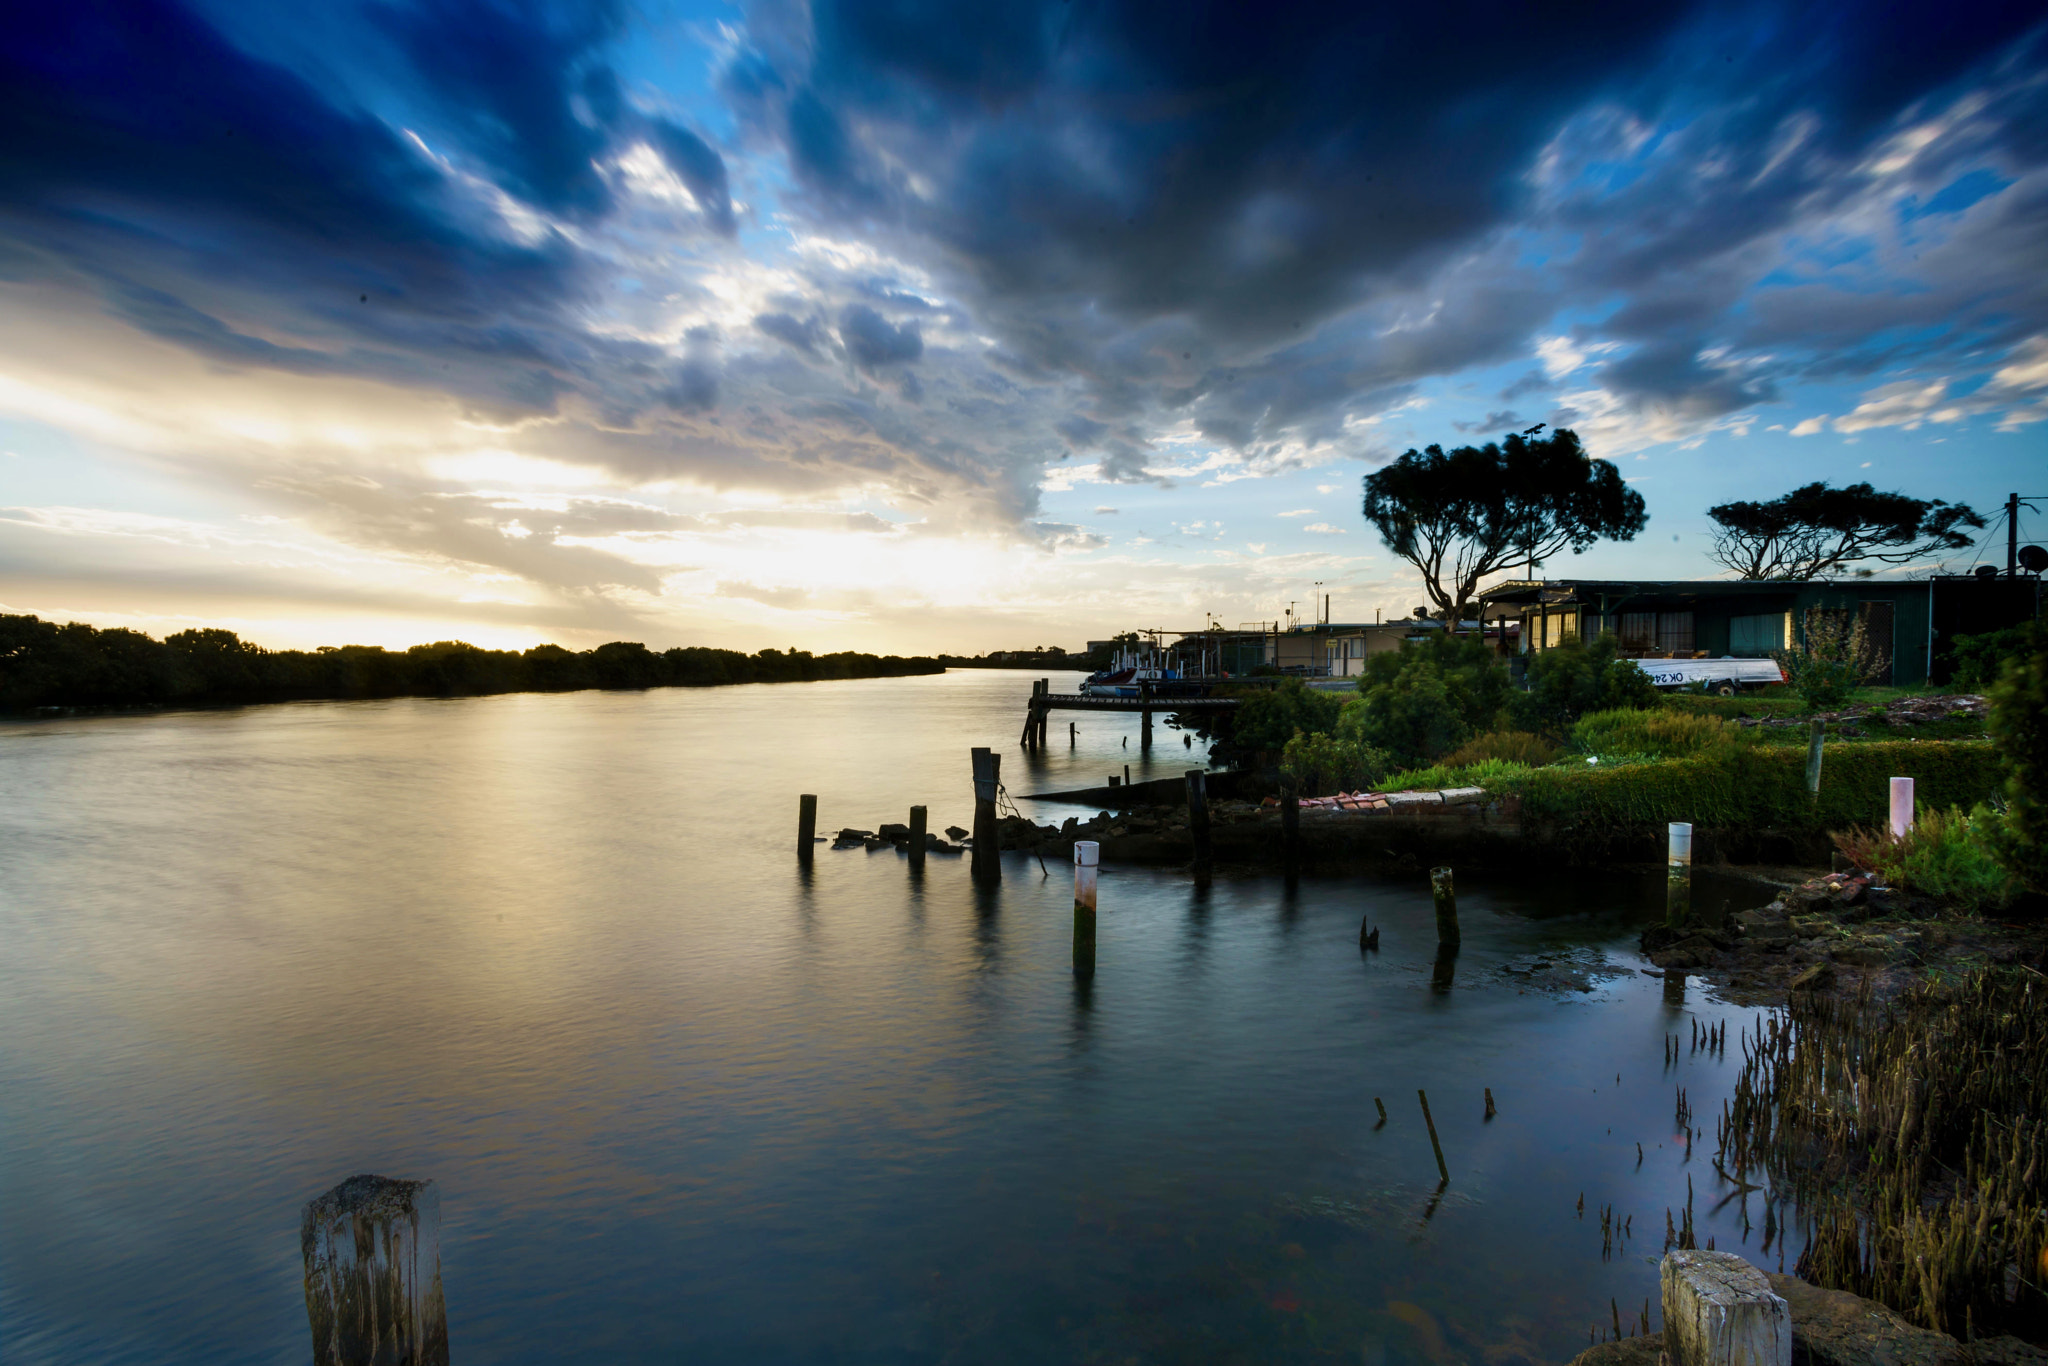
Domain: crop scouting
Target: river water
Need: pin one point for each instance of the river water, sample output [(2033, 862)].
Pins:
[(686, 1103)]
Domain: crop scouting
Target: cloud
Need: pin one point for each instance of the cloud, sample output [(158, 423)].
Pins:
[(1297, 512), (874, 342), (1325, 529), (1811, 426)]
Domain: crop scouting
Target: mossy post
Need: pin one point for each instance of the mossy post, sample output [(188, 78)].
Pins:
[(1902, 807), (1198, 822), (806, 826), (987, 864), (1677, 872), (917, 839), (1087, 855), (372, 1249), (1446, 906), (1813, 755)]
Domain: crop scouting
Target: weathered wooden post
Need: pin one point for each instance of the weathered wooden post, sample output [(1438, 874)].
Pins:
[(806, 826), (1442, 1170), (1902, 807), (372, 1249), (1073, 735), (1720, 1311), (1290, 825), (1145, 717), (1198, 822), (1127, 775), (1044, 709), (987, 862), (1813, 756), (917, 839), (1087, 854), (1446, 906), (1677, 872)]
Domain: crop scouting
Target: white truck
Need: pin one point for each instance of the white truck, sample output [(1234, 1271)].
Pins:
[(1726, 675)]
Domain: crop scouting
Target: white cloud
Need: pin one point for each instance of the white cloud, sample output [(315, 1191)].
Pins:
[(1325, 529), (1297, 512), (1810, 427)]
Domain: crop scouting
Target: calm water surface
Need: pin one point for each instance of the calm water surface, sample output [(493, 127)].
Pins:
[(685, 1104)]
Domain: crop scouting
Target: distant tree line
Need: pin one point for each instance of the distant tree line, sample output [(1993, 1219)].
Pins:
[(44, 664)]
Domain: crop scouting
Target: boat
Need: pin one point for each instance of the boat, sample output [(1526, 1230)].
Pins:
[(1726, 675), (1129, 675)]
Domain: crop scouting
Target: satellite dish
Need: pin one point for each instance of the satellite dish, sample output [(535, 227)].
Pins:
[(1987, 571), (2033, 558)]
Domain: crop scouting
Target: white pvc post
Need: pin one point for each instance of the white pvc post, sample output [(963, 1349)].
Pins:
[(1678, 872), (1087, 855), (1902, 807)]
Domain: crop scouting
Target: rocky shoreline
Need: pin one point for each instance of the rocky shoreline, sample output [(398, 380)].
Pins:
[(1834, 934)]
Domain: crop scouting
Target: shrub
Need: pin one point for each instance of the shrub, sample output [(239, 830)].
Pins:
[(1498, 776), (1980, 659), (2019, 729), (1326, 764), (1832, 661), (1661, 734), (1514, 746), (1269, 717), (1571, 679), (1427, 698), (1945, 855)]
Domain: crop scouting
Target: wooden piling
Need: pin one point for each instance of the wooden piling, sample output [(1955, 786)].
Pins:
[(1446, 906), (987, 863), (1198, 822), (1382, 1108), (1073, 735), (1814, 741), (806, 826), (372, 1252), (1145, 717), (917, 839), (1442, 1170), (1044, 709), (1087, 855), (1290, 826)]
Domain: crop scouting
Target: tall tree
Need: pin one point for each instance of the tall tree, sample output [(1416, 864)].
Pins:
[(1461, 515), (1814, 530)]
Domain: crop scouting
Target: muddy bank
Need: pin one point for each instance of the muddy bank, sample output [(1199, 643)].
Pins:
[(1834, 933)]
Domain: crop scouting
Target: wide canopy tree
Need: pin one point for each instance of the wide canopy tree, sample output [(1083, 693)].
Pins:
[(1815, 530), (1461, 515)]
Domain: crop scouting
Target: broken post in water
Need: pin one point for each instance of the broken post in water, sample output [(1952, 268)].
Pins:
[(917, 839), (1198, 822), (987, 864), (1678, 872), (1442, 1170), (1902, 807), (1813, 754), (1718, 1308), (806, 826), (1446, 906), (1087, 854), (372, 1249)]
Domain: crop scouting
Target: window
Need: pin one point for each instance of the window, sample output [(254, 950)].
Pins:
[(1674, 633), (1638, 631), (1755, 637)]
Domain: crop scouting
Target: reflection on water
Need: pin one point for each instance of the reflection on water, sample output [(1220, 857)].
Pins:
[(686, 1099)]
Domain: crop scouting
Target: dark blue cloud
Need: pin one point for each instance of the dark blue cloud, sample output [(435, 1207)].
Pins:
[(873, 341)]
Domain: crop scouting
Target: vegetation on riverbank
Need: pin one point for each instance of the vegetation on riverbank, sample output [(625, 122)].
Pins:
[(1910, 1132), (1596, 758), (44, 664)]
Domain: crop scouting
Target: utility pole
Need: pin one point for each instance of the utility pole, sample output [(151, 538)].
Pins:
[(2012, 536)]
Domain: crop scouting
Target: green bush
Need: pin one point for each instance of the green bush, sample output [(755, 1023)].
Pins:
[(1575, 677), (1269, 717), (1757, 788), (2019, 730), (1427, 698), (1515, 746), (1660, 734), (1945, 855), (1500, 777), (1980, 659), (1325, 764), (1834, 657)]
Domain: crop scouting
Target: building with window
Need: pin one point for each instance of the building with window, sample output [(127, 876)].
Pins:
[(1906, 621)]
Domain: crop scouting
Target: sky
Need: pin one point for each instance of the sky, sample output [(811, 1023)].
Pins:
[(905, 326)]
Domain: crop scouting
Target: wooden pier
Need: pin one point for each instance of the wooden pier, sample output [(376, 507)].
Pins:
[(1045, 701)]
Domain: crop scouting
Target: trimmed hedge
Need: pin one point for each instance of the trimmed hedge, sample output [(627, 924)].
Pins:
[(1760, 788)]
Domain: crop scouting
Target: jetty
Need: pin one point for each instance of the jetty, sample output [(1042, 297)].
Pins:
[(1171, 697)]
